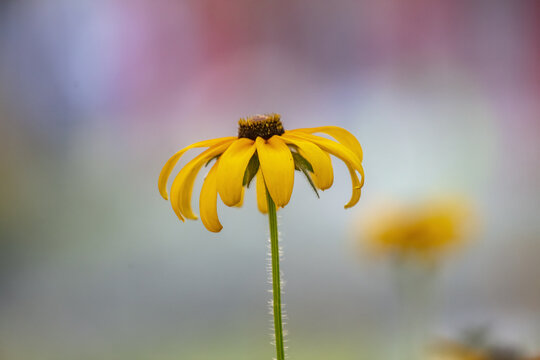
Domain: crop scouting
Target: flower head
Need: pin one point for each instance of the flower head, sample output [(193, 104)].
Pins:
[(456, 351), (425, 230), (263, 150)]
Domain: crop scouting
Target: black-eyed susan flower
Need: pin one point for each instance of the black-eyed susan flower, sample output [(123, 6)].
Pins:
[(455, 351), (425, 230), (414, 238), (266, 151), (263, 150)]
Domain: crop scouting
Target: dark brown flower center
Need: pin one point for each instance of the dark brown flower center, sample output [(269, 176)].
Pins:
[(264, 126)]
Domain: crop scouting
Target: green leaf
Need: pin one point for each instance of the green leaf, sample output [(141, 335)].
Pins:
[(251, 170)]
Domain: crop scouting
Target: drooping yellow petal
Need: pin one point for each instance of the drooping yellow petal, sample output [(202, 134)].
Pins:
[(241, 202), (334, 148), (341, 135), (169, 165), (356, 186), (323, 175), (277, 166), (342, 152), (208, 201), (261, 193), (182, 187), (232, 167)]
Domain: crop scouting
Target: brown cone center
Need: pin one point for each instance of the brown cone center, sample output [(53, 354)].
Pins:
[(264, 126)]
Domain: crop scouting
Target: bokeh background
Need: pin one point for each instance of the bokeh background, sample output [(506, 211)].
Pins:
[(96, 95)]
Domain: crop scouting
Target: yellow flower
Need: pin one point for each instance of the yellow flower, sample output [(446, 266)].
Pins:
[(453, 351), (449, 350), (263, 149), (424, 230)]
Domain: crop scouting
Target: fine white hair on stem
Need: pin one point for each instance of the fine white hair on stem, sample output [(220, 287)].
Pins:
[(284, 316)]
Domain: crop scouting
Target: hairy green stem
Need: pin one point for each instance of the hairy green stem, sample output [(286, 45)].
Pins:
[(276, 282)]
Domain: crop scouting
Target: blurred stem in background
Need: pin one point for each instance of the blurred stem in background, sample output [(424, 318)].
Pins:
[(276, 282), (415, 285)]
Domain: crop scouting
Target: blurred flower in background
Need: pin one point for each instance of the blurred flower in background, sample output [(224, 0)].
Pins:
[(476, 344), (415, 238), (420, 232)]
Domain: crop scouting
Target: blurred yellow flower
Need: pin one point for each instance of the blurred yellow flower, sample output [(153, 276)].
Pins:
[(263, 149), (452, 351), (425, 230), (476, 349)]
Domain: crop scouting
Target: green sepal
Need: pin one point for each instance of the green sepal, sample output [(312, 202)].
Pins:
[(214, 158), (301, 164), (310, 181), (251, 170)]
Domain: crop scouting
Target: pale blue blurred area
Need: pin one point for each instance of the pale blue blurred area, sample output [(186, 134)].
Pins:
[(96, 95)]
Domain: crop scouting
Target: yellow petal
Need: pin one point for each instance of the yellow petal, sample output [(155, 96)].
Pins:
[(208, 201), (356, 187), (323, 175), (241, 202), (341, 135), (169, 165), (182, 187), (232, 167), (261, 193), (342, 152), (277, 166)]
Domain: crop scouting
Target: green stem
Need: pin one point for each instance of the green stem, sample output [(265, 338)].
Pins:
[(276, 282)]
